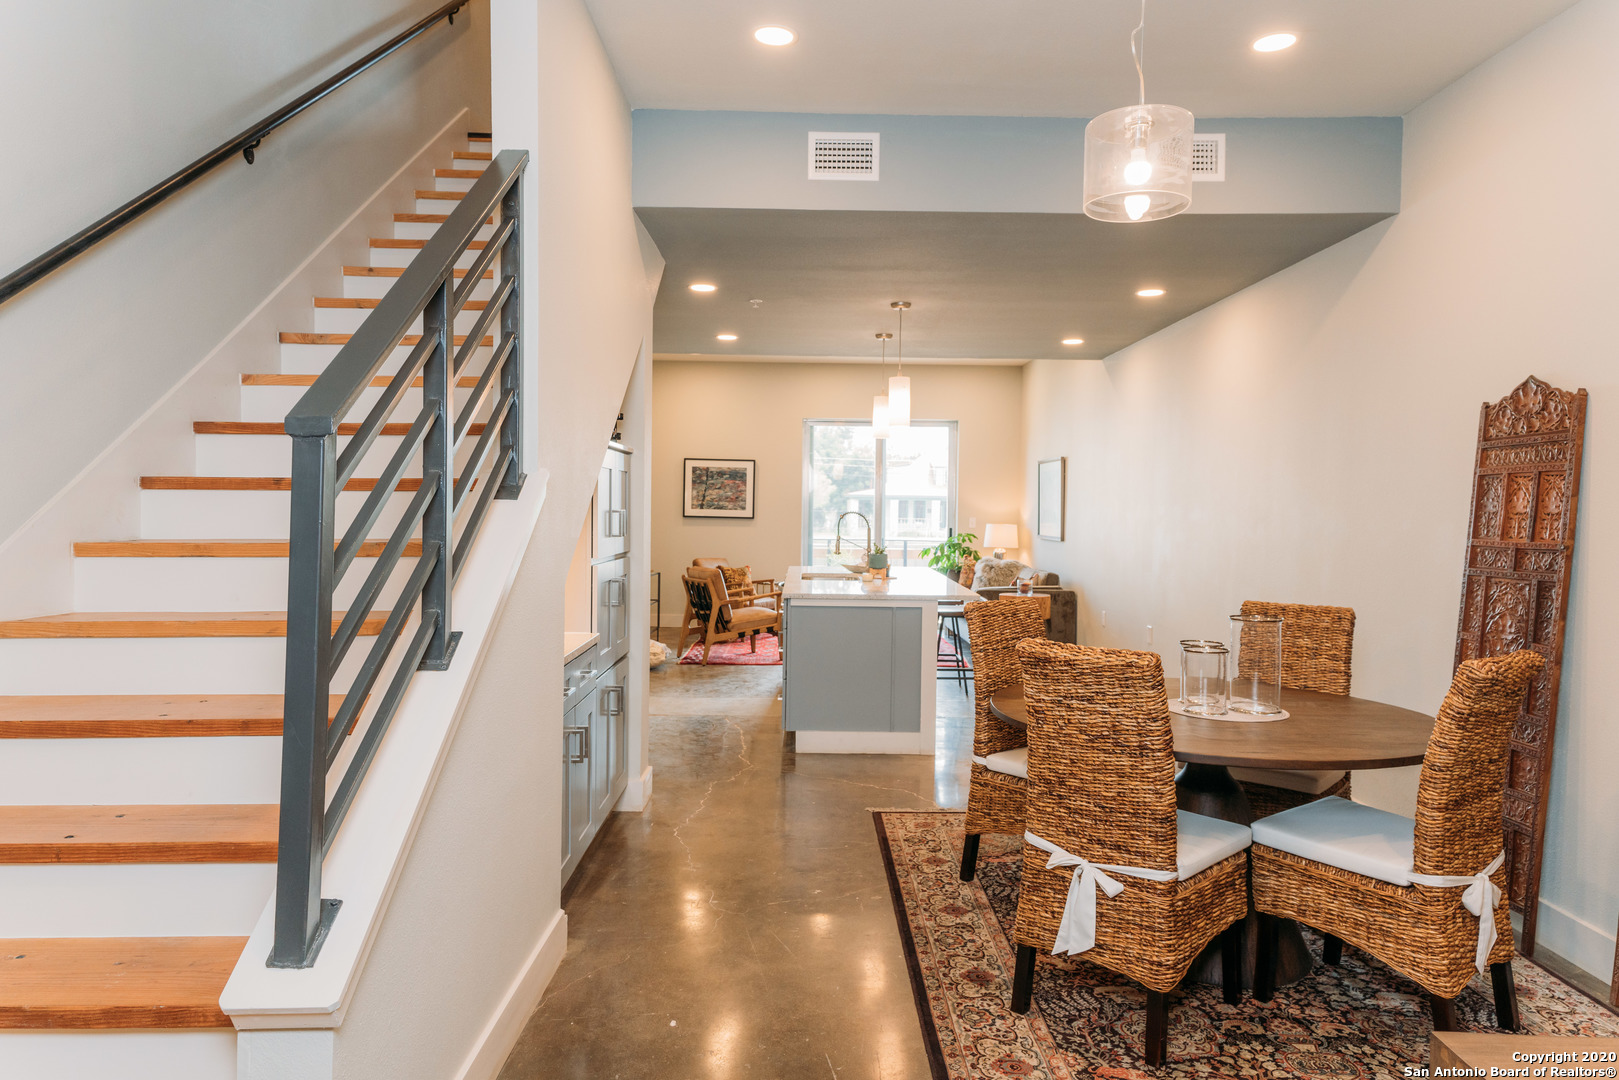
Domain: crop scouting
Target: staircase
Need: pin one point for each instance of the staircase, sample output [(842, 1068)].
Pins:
[(140, 733)]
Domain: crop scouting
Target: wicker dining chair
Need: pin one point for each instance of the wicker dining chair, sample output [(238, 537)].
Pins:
[(1421, 895), (1102, 788), (1317, 646), (1000, 765)]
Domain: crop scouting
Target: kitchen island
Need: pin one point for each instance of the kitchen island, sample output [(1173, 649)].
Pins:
[(861, 659)]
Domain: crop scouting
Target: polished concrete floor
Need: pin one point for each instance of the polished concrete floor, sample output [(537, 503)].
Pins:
[(741, 926)]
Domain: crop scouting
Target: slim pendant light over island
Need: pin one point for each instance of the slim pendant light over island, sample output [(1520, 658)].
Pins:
[(879, 403), (899, 386)]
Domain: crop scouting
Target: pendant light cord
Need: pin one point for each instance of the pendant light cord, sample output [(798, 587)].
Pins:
[(899, 346), (1138, 49)]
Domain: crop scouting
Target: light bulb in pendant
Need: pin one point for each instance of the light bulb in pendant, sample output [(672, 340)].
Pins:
[(1137, 205), (899, 401), (879, 416), (1139, 170)]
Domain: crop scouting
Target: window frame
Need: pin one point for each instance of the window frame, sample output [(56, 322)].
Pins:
[(807, 509)]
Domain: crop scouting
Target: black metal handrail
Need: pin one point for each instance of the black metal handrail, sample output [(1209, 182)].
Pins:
[(245, 144), (318, 558)]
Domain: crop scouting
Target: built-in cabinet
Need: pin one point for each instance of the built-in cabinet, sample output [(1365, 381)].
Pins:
[(596, 683)]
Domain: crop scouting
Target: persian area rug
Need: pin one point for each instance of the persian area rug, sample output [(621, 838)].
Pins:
[(736, 652), (1358, 1021)]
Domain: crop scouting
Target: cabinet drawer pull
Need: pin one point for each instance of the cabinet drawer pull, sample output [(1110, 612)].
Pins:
[(583, 754)]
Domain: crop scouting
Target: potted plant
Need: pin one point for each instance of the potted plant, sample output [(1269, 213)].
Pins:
[(878, 560), (946, 556)]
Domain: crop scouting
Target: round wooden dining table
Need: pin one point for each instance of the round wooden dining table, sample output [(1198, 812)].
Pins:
[(1322, 732)]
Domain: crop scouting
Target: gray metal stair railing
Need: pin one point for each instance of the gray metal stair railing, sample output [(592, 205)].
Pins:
[(319, 559)]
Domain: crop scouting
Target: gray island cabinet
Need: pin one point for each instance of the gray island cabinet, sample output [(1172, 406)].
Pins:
[(861, 659)]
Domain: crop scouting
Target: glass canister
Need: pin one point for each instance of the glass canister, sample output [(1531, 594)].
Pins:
[(1256, 684), (1203, 677)]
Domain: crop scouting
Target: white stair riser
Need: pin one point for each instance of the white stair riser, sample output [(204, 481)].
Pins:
[(202, 1054), (247, 515), (271, 404), (360, 285), (424, 230), (134, 900), (208, 584), (437, 206), (453, 183), (137, 772), (149, 666), (348, 320), (403, 256), (314, 359), (271, 455)]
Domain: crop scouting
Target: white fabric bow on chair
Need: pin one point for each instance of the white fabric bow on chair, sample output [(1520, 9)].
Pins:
[(1077, 931), (1480, 899)]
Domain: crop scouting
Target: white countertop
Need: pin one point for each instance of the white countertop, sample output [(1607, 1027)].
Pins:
[(574, 643), (905, 583)]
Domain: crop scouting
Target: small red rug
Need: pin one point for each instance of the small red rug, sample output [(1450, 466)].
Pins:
[(736, 652)]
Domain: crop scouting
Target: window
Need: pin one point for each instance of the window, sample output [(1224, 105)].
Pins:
[(905, 486)]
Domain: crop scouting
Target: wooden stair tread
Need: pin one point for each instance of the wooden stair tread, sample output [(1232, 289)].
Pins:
[(213, 549), (259, 483), (386, 242), (143, 716), (471, 155), (36, 835), (433, 219), (291, 337), (115, 982), (368, 302), (458, 174), (278, 379), (271, 427), (454, 196), (398, 271), (165, 624)]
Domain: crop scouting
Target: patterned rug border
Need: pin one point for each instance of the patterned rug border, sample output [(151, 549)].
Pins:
[(913, 961)]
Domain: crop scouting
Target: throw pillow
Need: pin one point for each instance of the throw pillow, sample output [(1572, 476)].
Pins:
[(995, 573), (738, 580)]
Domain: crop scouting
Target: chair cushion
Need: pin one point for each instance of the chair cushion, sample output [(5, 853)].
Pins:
[(1348, 835), (1201, 841), (1305, 780), (751, 618), (738, 579), (1011, 762)]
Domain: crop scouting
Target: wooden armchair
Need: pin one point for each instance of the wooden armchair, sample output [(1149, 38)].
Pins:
[(764, 588), (717, 616)]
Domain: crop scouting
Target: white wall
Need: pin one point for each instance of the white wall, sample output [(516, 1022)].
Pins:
[(482, 887), (109, 99), (1310, 439), (764, 407)]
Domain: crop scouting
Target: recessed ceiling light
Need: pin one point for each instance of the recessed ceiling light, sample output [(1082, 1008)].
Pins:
[(1073, 341), (1149, 292), (726, 337), (701, 286), (1274, 42), (774, 35)]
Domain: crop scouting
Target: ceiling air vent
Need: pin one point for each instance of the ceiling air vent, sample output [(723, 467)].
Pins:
[(1208, 157), (843, 155)]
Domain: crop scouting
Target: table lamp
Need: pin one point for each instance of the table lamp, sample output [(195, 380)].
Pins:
[(1000, 537)]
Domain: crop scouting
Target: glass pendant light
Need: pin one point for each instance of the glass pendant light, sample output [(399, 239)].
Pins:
[(879, 403), (899, 386), (1138, 159)]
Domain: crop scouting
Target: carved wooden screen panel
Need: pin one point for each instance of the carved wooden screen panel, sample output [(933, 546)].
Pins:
[(1526, 485)]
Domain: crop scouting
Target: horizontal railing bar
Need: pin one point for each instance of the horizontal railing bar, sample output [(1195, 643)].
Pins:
[(469, 408), (475, 519), (339, 808), (475, 336), (370, 510), (480, 450), (463, 292), (334, 393), (354, 701), (354, 452), (366, 598), (244, 143)]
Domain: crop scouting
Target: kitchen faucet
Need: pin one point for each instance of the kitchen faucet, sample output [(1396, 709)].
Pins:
[(837, 543)]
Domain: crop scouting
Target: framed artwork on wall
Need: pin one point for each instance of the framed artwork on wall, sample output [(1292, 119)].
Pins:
[(1052, 495), (718, 488)]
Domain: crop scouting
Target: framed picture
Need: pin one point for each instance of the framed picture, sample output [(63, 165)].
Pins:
[(1052, 511), (718, 488)]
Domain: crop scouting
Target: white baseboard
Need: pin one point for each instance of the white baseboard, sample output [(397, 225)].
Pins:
[(637, 793), (500, 1034), (864, 742), (1581, 943)]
